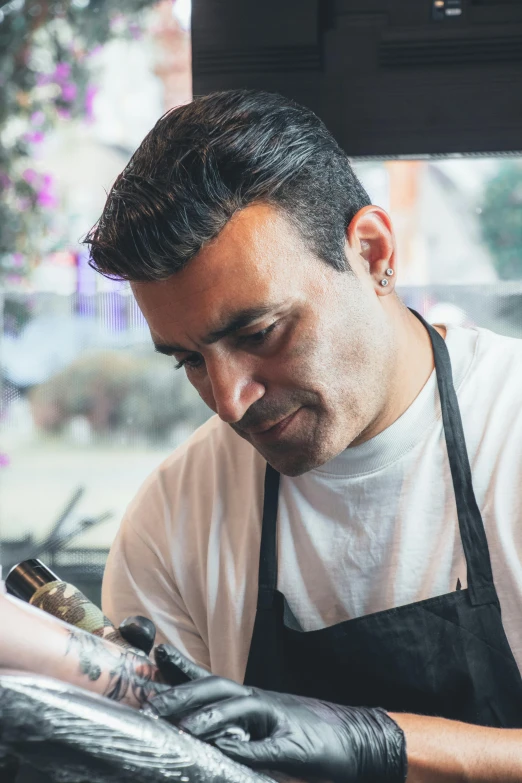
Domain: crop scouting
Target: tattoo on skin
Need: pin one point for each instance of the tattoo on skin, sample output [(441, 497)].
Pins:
[(130, 675)]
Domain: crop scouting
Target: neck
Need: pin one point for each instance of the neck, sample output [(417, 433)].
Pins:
[(414, 363), (415, 360)]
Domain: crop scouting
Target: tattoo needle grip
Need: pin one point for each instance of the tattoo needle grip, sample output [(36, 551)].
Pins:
[(33, 582)]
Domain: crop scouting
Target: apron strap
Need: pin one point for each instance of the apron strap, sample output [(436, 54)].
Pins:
[(268, 550), (474, 542)]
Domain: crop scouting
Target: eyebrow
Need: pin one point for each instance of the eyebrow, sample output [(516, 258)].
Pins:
[(234, 323)]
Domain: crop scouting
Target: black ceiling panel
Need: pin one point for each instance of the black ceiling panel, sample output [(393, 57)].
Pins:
[(387, 77)]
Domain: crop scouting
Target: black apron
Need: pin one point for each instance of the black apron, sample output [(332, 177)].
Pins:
[(446, 656)]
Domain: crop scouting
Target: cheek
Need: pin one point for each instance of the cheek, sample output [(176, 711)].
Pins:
[(311, 355), (295, 368)]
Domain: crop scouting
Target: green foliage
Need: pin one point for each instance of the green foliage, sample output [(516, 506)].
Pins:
[(45, 54), (132, 394), (501, 220)]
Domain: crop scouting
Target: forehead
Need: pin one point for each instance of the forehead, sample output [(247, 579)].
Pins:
[(257, 256)]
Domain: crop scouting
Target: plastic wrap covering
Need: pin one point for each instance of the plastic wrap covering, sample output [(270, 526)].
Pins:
[(75, 736)]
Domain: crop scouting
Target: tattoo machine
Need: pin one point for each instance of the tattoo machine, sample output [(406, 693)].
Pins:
[(33, 582)]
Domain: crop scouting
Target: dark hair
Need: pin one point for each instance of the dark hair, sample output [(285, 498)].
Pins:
[(204, 161)]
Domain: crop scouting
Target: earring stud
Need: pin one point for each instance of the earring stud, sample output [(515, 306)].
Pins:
[(389, 272), (384, 282)]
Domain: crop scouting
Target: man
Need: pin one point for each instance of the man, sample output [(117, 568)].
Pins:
[(313, 538)]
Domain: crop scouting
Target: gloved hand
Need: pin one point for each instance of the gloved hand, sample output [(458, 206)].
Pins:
[(140, 632), (297, 736), (175, 668)]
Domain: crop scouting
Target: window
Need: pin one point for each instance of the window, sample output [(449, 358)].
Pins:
[(87, 408)]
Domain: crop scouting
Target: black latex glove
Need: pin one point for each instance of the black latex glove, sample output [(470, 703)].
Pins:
[(175, 668), (297, 736), (9, 766), (140, 632)]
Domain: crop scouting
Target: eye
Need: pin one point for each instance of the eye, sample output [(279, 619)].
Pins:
[(259, 337), (191, 362)]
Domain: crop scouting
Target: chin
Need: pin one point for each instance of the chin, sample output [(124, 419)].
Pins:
[(317, 445), (296, 464)]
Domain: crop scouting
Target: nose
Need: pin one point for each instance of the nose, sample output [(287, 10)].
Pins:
[(233, 389)]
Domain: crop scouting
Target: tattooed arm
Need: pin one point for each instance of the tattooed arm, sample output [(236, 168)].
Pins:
[(31, 640), (129, 676)]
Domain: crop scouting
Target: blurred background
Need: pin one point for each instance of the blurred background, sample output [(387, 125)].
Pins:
[(87, 409)]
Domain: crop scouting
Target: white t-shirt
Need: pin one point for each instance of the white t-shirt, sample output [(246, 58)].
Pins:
[(372, 529)]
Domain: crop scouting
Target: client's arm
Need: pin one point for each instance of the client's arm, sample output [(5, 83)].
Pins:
[(34, 641), (73, 736)]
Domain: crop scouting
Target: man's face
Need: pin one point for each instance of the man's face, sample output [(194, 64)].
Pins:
[(285, 349)]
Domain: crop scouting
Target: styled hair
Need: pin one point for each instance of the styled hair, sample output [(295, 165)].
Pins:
[(203, 162)]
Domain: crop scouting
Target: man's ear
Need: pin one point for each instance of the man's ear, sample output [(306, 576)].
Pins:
[(370, 235)]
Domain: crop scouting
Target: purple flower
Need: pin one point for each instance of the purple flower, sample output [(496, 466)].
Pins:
[(5, 181), (14, 280), (62, 72), (46, 197), (30, 176), (116, 21), (37, 118), (18, 259), (95, 50), (90, 95), (69, 91), (24, 204), (34, 138), (4, 460), (135, 31)]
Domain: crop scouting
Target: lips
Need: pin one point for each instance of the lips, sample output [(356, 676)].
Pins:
[(273, 429), (267, 427)]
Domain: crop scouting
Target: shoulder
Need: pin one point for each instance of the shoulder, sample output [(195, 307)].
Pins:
[(488, 341), (214, 469), (495, 359), (214, 450), (489, 389)]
